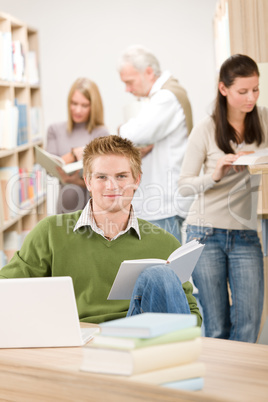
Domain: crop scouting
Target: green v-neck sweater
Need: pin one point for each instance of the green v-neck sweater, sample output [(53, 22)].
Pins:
[(53, 249)]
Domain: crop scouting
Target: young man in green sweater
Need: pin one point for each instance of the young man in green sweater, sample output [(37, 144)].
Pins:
[(90, 245)]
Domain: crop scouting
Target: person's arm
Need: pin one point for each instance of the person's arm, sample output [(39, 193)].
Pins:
[(157, 119), (191, 182), (145, 150), (188, 290), (34, 257), (199, 147), (74, 178)]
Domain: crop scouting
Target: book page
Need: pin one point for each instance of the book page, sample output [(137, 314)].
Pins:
[(187, 247), (183, 265), (255, 158), (73, 167)]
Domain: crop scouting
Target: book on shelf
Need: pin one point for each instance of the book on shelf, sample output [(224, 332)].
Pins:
[(117, 342), (6, 61), (142, 360), (50, 162), (22, 136), (18, 61), (190, 384), (9, 121), (255, 158), (147, 325), (36, 122), (33, 73), (32, 185), (9, 182), (182, 261)]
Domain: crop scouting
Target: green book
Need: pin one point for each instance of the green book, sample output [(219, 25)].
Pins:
[(113, 342)]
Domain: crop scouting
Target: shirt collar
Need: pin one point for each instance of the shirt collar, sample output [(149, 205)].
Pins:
[(159, 82), (87, 219)]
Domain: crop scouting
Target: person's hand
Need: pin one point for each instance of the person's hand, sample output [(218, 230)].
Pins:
[(145, 150), (75, 155), (224, 165), (78, 152), (74, 178), (241, 153), (240, 168)]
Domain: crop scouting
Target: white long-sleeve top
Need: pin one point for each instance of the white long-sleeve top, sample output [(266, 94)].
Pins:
[(161, 122)]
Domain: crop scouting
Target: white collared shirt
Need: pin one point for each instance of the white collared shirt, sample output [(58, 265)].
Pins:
[(161, 121), (87, 219)]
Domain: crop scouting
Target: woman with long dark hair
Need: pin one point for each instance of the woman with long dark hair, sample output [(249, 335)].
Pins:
[(223, 216)]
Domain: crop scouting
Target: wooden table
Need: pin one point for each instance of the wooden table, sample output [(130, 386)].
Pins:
[(235, 371)]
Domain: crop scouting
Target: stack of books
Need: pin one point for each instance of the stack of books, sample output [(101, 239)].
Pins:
[(153, 348)]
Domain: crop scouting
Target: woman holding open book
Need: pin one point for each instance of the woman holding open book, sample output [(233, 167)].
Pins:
[(67, 139), (223, 216)]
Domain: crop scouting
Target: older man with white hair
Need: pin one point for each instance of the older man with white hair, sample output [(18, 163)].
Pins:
[(164, 122)]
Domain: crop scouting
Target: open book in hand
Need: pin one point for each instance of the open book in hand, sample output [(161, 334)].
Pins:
[(50, 162), (255, 158), (182, 261)]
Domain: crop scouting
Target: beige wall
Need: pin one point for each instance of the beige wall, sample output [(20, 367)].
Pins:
[(85, 38)]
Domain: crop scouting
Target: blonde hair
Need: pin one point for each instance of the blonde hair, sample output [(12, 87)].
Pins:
[(112, 145), (90, 90)]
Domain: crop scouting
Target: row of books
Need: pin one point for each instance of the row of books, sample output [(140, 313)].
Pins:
[(19, 189), (12, 61), (14, 124), (153, 348)]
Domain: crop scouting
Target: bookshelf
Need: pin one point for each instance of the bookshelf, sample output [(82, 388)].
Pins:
[(22, 181), (241, 26)]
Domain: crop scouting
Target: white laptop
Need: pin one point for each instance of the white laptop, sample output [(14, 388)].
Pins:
[(40, 312)]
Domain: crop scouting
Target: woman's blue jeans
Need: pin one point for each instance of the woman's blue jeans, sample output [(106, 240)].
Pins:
[(172, 225), (159, 290), (234, 257)]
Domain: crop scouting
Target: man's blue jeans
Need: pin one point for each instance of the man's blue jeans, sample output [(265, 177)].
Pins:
[(233, 256), (159, 290), (172, 225)]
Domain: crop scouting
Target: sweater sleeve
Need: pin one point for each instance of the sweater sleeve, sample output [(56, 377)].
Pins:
[(188, 290), (34, 257), (156, 120), (191, 182)]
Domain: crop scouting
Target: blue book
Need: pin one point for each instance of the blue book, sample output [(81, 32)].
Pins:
[(22, 123), (191, 384), (148, 325)]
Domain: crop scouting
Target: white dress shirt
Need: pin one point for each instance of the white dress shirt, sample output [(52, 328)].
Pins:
[(87, 219), (161, 122)]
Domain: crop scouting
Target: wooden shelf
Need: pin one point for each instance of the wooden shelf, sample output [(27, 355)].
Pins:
[(20, 85)]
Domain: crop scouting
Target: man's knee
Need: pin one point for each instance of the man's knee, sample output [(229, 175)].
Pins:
[(159, 274)]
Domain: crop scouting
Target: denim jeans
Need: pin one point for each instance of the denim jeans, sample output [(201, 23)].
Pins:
[(233, 256), (159, 290), (172, 225)]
